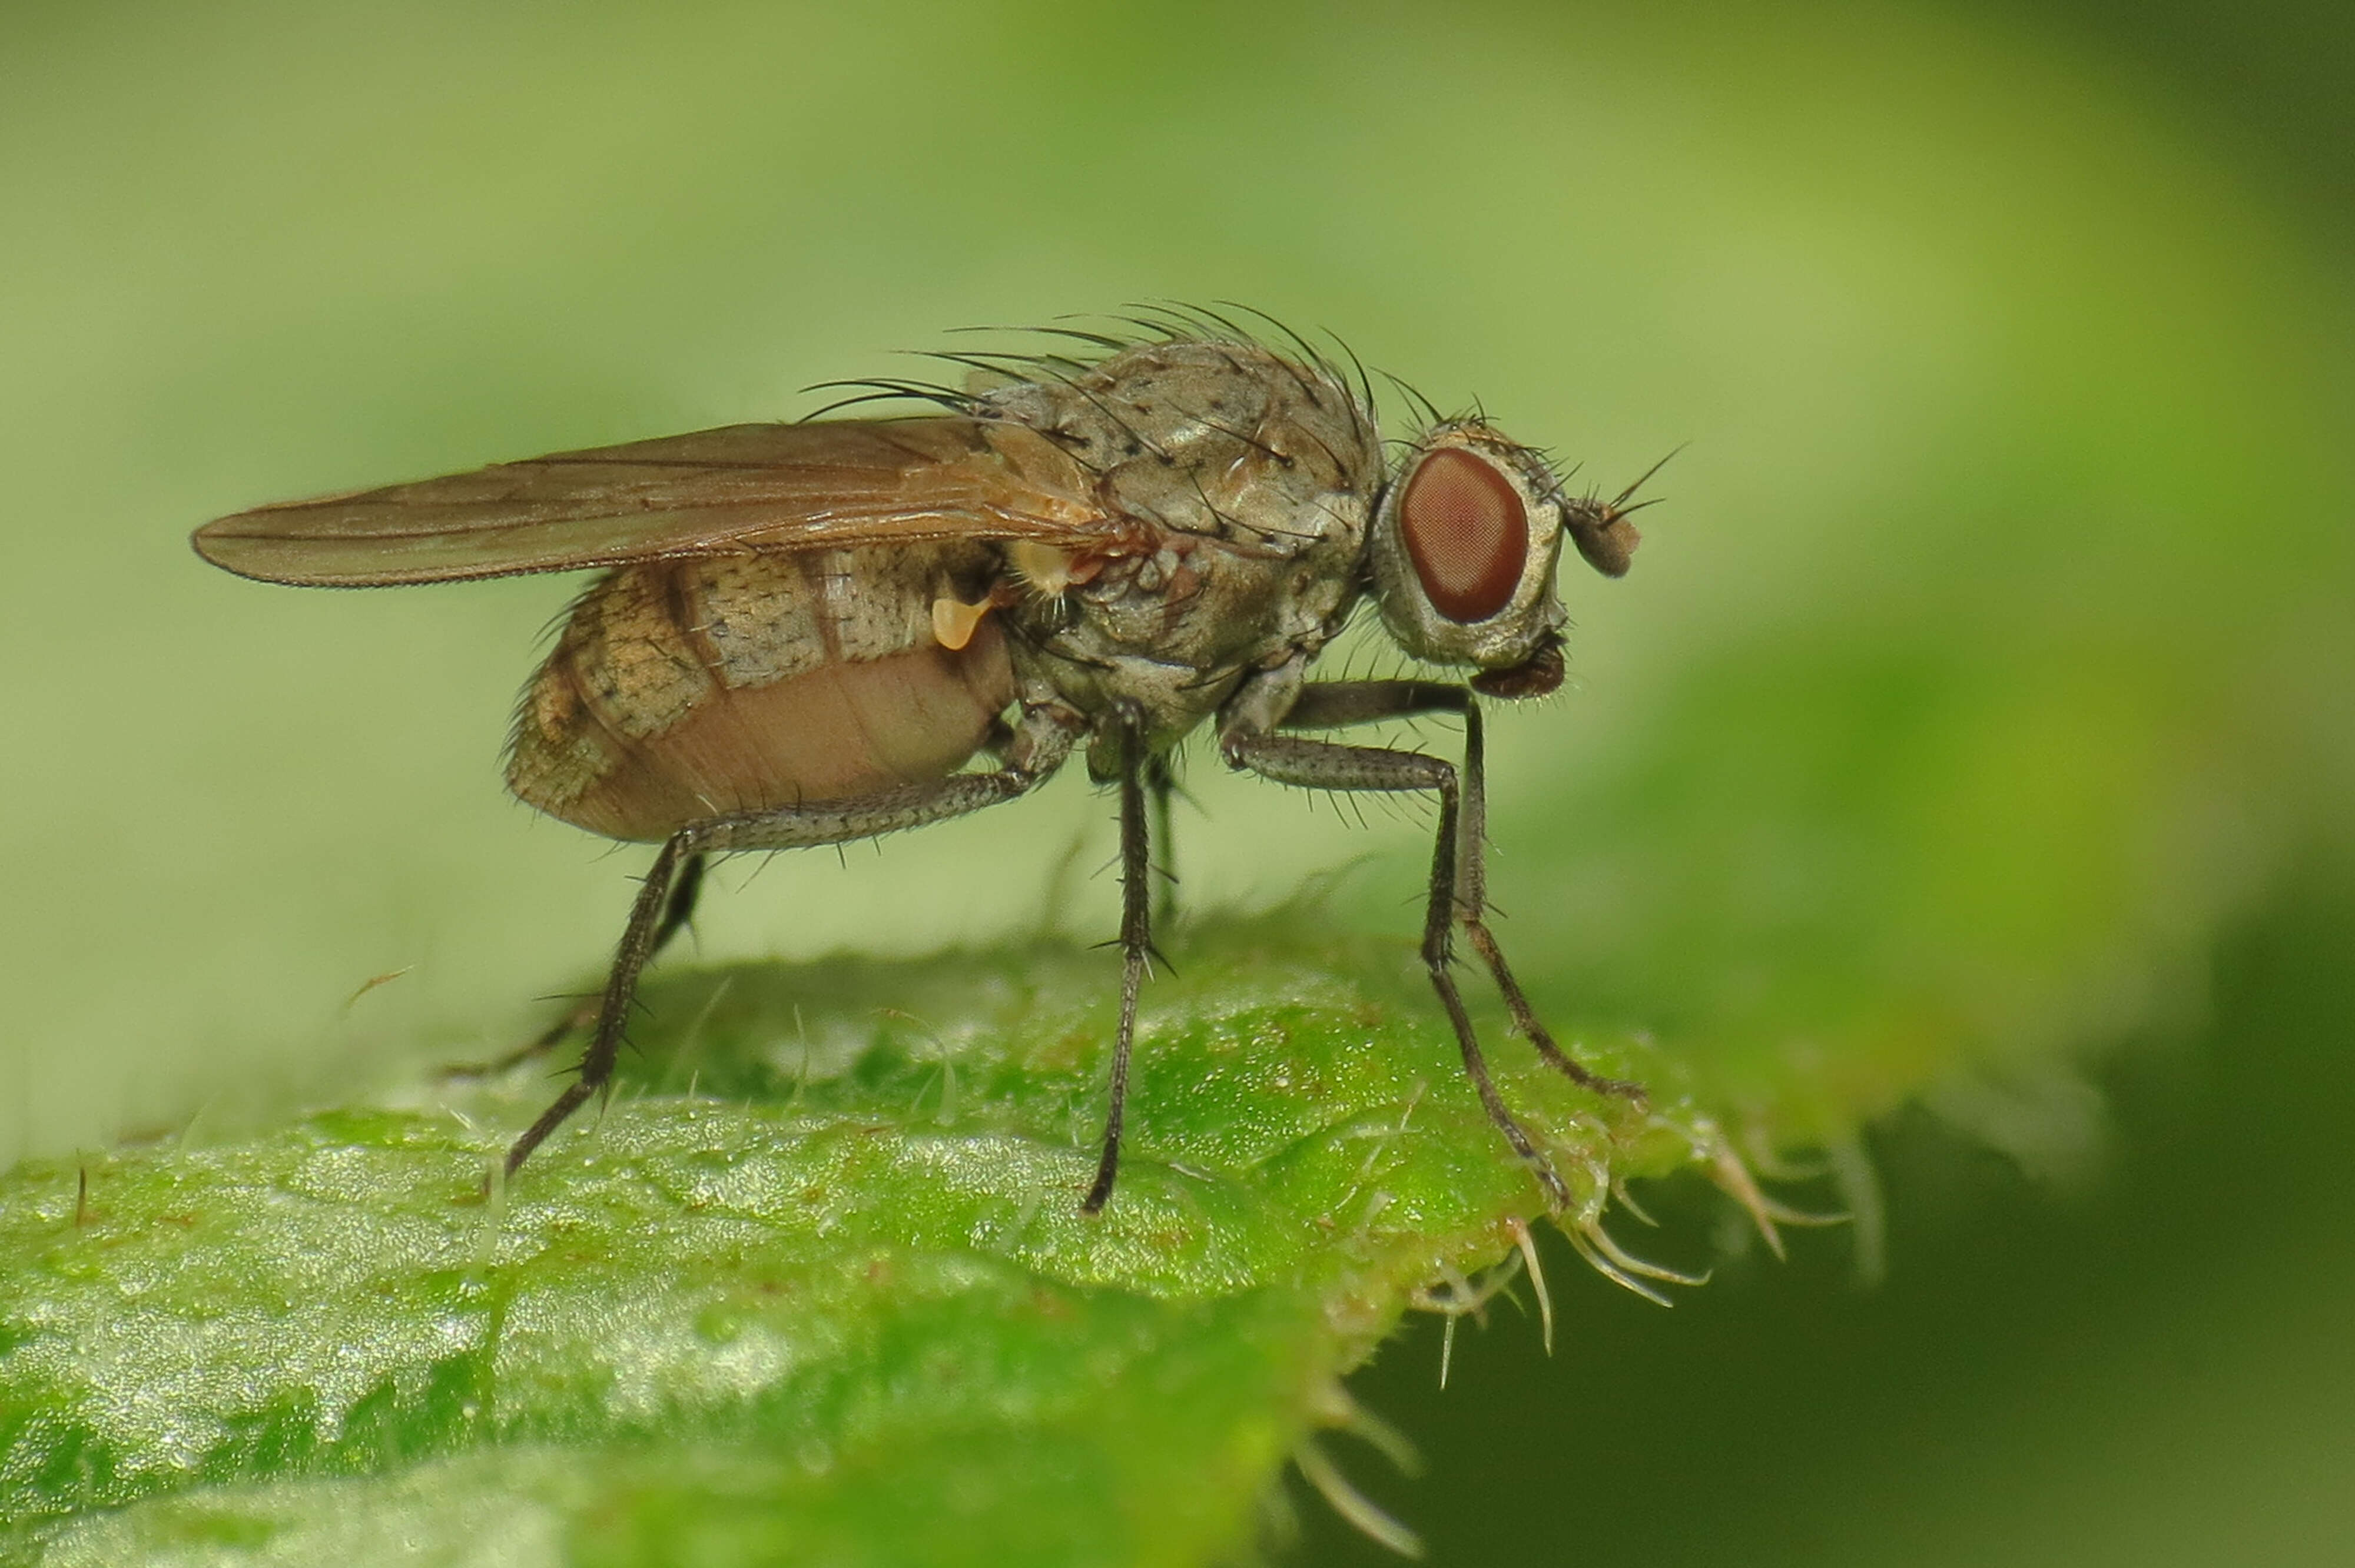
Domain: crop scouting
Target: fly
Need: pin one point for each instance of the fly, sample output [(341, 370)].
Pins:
[(817, 632)]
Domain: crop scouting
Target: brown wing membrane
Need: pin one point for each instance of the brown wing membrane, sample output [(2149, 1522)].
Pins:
[(740, 487)]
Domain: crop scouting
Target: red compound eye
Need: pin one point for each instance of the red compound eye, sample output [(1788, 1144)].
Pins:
[(1466, 532)]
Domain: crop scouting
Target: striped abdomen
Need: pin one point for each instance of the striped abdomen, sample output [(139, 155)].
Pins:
[(688, 689)]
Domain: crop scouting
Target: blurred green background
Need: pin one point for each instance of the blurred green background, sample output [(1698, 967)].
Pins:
[(1973, 735)]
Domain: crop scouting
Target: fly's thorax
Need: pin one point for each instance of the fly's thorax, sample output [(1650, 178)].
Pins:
[(1223, 440), (1173, 699), (1250, 476), (1203, 604), (1464, 547), (1175, 631)]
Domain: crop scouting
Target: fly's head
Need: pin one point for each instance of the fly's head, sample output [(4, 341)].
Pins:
[(1464, 547)]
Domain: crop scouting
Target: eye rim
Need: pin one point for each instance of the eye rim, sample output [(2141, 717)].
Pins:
[(1510, 637), (1467, 580)]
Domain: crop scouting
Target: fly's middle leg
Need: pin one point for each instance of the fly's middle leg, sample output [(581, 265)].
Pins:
[(1161, 786), (1135, 939)]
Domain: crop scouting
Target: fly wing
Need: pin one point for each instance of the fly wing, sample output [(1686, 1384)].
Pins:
[(741, 488)]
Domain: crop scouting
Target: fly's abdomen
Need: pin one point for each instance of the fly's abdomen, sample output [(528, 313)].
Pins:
[(690, 689)]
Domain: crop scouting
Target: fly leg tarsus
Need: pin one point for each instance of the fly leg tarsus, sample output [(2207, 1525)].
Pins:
[(1525, 1024)]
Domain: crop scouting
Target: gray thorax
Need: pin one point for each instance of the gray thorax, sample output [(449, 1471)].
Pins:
[(1252, 480)]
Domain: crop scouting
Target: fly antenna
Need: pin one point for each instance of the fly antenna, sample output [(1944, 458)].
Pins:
[(1619, 502)]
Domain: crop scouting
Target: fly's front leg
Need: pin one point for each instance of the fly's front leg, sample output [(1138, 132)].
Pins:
[(1330, 764), (1135, 940), (1038, 750), (1332, 705), (1472, 901)]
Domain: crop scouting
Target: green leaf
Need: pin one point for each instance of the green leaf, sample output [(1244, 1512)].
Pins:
[(815, 1286)]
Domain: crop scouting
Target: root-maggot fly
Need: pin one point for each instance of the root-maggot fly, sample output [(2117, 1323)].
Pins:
[(814, 632)]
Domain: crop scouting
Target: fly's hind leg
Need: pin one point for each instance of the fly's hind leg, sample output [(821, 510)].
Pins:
[(1037, 751), (677, 914)]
